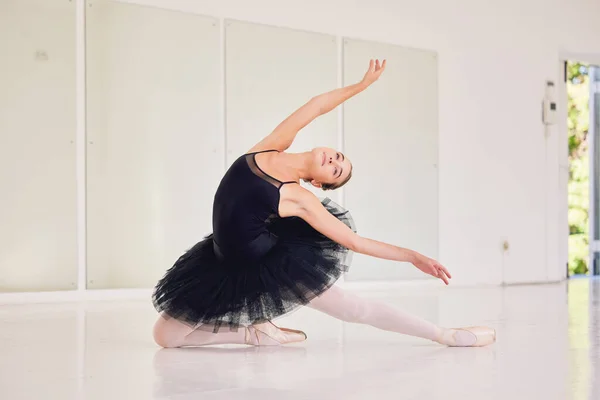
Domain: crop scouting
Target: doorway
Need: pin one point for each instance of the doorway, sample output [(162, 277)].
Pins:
[(583, 126)]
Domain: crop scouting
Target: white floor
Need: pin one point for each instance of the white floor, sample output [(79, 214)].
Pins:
[(548, 348)]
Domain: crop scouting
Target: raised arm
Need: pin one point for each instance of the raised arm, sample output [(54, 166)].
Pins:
[(308, 207), (284, 134)]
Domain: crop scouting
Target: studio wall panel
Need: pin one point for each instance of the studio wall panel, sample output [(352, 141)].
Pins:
[(155, 143), (270, 73), (391, 137), (38, 215)]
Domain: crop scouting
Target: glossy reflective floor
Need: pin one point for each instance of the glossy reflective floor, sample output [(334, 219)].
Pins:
[(548, 348)]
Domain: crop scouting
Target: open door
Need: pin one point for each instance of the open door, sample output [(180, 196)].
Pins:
[(579, 162), (594, 143)]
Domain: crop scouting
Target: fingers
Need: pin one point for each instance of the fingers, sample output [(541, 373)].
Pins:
[(376, 66), (443, 277), (441, 272), (444, 269)]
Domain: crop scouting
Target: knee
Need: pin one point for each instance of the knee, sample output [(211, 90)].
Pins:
[(165, 337)]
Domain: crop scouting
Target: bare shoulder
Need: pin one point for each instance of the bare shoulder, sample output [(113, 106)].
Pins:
[(295, 200), (299, 202)]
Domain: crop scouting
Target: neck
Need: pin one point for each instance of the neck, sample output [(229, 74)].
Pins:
[(296, 165)]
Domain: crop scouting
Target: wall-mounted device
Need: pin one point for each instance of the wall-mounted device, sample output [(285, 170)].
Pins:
[(549, 112)]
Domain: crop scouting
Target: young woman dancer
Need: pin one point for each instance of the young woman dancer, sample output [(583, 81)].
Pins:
[(275, 247)]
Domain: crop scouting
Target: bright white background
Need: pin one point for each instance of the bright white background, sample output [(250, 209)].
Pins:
[(499, 171), (155, 148), (38, 198)]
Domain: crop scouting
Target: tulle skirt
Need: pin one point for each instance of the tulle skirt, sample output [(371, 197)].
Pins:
[(203, 289)]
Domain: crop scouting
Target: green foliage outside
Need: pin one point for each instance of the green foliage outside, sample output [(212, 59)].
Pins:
[(578, 123)]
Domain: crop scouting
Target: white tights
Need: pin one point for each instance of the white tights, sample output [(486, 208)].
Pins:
[(335, 302)]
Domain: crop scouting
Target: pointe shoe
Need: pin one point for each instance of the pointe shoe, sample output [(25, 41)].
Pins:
[(267, 334), (294, 331), (484, 336)]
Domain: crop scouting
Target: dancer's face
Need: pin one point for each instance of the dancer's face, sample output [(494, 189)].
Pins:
[(330, 168)]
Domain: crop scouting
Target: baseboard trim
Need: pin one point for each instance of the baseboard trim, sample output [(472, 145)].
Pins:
[(74, 296)]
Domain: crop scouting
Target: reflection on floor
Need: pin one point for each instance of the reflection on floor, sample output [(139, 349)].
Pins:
[(548, 348)]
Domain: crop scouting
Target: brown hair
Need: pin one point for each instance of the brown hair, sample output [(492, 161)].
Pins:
[(330, 186)]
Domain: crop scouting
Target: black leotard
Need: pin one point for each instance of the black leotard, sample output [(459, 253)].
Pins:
[(246, 199)]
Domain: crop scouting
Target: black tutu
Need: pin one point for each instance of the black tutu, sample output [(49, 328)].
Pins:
[(204, 289)]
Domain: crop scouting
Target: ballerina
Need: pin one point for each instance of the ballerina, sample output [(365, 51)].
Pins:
[(276, 247)]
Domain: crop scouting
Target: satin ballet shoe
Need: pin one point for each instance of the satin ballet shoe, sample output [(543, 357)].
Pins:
[(267, 334), (294, 331), (484, 336), (472, 336)]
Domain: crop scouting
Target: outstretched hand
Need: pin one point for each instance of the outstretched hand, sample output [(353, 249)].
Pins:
[(374, 72), (433, 268)]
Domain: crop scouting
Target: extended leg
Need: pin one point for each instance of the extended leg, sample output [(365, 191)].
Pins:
[(349, 307)]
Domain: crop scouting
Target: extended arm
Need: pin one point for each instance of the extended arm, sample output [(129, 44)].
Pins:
[(284, 134), (308, 207)]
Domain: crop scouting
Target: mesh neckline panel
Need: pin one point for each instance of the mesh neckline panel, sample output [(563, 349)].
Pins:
[(251, 160)]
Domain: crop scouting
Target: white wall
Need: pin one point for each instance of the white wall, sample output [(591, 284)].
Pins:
[(494, 59), (391, 137), (38, 213), (155, 147), (499, 174)]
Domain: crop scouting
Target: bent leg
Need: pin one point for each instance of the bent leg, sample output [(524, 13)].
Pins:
[(169, 332)]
